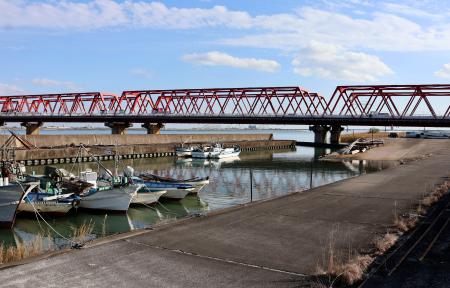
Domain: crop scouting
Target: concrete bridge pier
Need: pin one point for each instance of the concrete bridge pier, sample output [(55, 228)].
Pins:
[(153, 128), (119, 128), (320, 132), (336, 134), (32, 128)]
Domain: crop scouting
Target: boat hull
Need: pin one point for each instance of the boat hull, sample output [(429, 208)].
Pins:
[(177, 194), (45, 207), (147, 197), (226, 155), (116, 199), (10, 197), (201, 155), (183, 153)]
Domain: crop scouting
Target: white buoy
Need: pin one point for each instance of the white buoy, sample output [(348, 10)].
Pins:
[(5, 181)]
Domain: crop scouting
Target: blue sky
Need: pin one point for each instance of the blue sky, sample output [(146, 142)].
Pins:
[(106, 45)]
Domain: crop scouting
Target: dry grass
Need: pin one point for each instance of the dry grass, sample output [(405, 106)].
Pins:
[(42, 243), (347, 138), (353, 271), (349, 268), (435, 195), (382, 244), (36, 246), (83, 233), (405, 223), (345, 267)]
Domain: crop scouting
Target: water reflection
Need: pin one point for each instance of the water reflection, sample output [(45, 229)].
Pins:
[(274, 174)]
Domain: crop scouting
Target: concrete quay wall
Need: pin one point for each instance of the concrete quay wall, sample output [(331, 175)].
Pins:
[(50, 141), (72, 154)]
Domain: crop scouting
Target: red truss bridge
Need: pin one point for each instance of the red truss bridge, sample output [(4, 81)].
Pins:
[(377, 105)]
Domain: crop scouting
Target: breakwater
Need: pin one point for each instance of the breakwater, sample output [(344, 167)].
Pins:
[(53, 149)]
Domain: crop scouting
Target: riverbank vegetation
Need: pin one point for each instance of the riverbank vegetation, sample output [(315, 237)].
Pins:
[(343, 269), (348, 137), (44, 242)]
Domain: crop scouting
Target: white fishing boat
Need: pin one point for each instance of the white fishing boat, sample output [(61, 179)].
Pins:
[(207, 151), (184, 151), (52, 208), (216, 152), (201, 152), (147, 196), (227, 153), (10, 197), (105, 197)]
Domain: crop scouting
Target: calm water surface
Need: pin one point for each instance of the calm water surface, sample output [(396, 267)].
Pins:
[(275, 173)]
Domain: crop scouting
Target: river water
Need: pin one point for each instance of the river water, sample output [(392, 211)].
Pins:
[(275, 173)]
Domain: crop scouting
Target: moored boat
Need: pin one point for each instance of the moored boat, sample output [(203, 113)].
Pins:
[(216, 152), (173, 190), (184, 151), (198, 183), (147, 196), (49, 204), (10, 197), (227, 153), (202, 152), (106, 197)]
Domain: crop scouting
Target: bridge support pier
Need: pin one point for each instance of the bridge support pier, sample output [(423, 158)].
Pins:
[(336, 134), (320, 132), (153, 128), (119, 128), (32, 128)]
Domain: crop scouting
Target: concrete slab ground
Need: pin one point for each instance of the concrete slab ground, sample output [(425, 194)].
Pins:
[(265, 244)]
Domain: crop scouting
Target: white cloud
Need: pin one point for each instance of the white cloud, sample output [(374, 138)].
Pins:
[(10, 89), (408, 10), (109, 13), (215, 58), (44, 82), (141, 72), (334, 62), (388, 28), (379, 31), (444, 72)]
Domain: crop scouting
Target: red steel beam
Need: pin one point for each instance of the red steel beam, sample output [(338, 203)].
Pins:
[(235, 101), (354, 101), (397, 100), (68, 103)]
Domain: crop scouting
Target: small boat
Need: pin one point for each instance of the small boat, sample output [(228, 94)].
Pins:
[(184, 151), (197, 182), (202, 152), (48, 203), (216, 152), (227, 153), (173, 190), (107, 197), (147, 196), (10, 197)]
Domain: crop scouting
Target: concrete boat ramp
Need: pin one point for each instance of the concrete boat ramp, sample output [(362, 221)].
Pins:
[(267, 244)]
